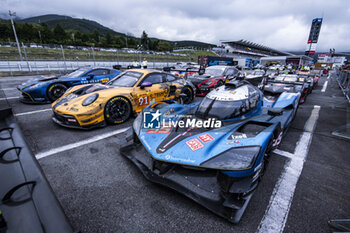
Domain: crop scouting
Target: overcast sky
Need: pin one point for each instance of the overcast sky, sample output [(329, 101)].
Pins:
[(283, 24)]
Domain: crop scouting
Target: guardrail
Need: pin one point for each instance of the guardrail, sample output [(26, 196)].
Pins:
[(343, 79), (38, 66)]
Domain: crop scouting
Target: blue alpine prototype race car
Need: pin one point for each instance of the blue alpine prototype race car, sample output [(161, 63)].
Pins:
[(214, 151), (46, 89)]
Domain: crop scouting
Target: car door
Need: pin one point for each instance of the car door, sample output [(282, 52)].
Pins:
[(98, 76), (143, 96)]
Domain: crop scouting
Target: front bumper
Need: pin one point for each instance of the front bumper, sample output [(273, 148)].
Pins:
[(28, 99), (225, 196), (70, 121), (203, 91)]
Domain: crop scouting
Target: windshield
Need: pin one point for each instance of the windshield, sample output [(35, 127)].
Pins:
[(286, 79), (76, 73), (126, 79), (258, 72), (214, 71), (234, 103)]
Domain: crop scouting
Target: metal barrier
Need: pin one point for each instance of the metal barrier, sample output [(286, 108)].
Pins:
[(37, 66), (343, 79)]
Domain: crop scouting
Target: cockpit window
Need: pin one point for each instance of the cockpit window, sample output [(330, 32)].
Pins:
[(287, 78), (228, 102), (213, 71), (126, 79), (76, 73)]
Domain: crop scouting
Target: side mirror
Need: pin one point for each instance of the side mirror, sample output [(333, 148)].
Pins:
[(146, 84), (201, 70), (90, 76)]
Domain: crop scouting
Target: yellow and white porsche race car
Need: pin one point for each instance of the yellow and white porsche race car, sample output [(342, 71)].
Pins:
[(93, 105)]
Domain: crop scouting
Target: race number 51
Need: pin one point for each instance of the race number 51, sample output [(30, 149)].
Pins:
[(144, 100)]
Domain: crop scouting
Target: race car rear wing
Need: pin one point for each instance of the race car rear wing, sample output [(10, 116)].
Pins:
[(200, 70), (27, 201)]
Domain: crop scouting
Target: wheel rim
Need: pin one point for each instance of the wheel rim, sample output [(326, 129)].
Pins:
[(188, 94), (57, 92), (118, 111)]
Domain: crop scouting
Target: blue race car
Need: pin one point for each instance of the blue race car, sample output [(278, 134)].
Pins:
[(46, 89), (214, 151)]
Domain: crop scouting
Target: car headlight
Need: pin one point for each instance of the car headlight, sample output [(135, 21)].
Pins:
[(89, 100), (137, 123), (234, 159)]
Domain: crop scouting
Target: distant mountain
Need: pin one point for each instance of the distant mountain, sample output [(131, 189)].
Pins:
[(88, 26), (70, 23), (187, 43)]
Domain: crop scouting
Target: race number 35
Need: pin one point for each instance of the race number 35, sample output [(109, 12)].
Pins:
[(143, 100)]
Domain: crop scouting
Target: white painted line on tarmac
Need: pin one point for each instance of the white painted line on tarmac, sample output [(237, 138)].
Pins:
[(276, 214), (32, 112), (324, 86), (10, 98), (9, 89), (78, 144), (284, 153)]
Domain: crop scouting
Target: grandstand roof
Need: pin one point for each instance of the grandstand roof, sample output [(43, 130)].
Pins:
[(248, 47)]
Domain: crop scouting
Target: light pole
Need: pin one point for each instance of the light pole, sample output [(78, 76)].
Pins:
[(14, 31)]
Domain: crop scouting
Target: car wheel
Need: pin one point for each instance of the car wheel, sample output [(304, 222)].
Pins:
[(189, 95), (55, 91), (117, 110)]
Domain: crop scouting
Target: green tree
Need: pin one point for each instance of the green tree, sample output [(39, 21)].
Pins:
[(145, 40), (119, 42), (153, 45), (164, 46), (85, 37), (5, 31), (59, 34), (109, 40), (46, 33), (132, 42), (96, 36)]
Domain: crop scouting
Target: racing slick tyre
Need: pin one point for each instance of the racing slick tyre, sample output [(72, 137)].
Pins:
[(55, 91), (189, 95), (117, 110)]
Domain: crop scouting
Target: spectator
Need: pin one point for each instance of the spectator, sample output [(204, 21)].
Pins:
[(135, 64), (144, 63)]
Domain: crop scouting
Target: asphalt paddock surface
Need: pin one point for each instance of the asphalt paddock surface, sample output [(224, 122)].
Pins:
[(101, 191)]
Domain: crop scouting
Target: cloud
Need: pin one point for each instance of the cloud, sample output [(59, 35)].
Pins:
[(278, 24)]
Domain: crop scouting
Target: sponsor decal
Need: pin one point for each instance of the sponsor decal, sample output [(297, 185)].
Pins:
[(206, 138), (143, 100), (233, 141), (277, 141), (194, 144), (168, 157), (240, 136), (163, 130)]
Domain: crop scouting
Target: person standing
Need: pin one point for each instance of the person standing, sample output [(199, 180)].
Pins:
[(135, 64), (144, 63)]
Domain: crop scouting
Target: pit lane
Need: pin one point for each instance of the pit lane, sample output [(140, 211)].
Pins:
[(102, 191)]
